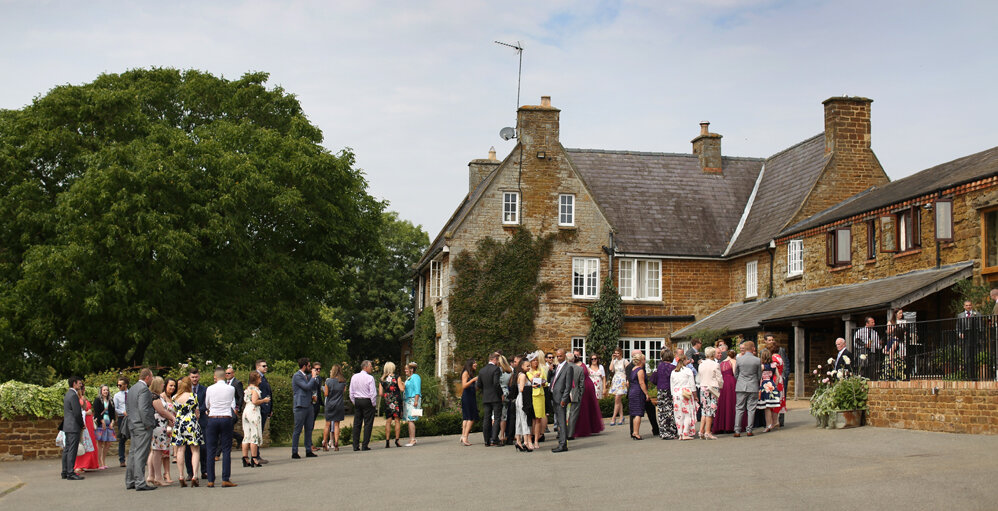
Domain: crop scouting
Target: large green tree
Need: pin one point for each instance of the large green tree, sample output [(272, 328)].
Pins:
[(378, 309), (159, 213)]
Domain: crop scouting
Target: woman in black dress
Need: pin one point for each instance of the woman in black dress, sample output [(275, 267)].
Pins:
[(392, 389), (333, 390), (469, 406)]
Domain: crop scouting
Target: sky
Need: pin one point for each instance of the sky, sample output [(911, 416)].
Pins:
[(418, 89)]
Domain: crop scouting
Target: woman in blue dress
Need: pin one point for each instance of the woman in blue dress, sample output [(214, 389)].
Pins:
[(412, 399), (637, 394)]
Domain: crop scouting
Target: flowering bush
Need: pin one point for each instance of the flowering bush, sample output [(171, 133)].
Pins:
[(838, 390)]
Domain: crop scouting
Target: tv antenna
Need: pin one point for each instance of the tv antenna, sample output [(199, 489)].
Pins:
[(508, 133)]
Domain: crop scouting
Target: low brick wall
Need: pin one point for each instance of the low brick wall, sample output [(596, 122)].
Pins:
[(29, 438), (955, 406)]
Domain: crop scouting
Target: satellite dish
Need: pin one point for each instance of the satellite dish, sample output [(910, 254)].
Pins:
[(507, 133)]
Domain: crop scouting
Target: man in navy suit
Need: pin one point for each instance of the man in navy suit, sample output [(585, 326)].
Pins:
[(266, 409), (304, 383)]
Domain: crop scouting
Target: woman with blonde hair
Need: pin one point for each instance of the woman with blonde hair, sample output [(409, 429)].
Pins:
[(333, 390), (537, 377), (506, 372), (161, 435), (392, 389), (187, 431), (711, 383), (637, 394), (618, 385), (684, 405)]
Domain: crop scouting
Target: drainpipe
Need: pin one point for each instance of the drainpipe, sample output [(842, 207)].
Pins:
[(772, 254), (939, 259)]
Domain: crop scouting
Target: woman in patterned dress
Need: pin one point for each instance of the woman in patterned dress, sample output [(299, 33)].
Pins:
[(186, 430), (684, 406), (711, 383), (598, 375), (662, 378), (161, 436), (774, 347), (104, 417), (618, 386), (252, 421), (769, 396), (392, 389)]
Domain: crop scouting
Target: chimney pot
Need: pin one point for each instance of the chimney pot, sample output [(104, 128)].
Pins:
[(546, 101), (703, 127), (492, 153)]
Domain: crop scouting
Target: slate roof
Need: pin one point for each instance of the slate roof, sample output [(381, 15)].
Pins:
[(832, 301), (663, 204), (961, 170), (787, 179)]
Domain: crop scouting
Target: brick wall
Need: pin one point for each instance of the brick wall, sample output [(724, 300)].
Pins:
[(28, 439), (957, 406)]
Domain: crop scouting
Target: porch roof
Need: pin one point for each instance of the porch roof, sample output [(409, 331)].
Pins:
[(890, 292)]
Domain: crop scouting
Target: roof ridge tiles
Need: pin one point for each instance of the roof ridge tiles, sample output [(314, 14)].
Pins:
[(652, 153)]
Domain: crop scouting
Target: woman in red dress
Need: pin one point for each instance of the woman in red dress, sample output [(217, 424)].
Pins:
[(774, 348), (89, 440)]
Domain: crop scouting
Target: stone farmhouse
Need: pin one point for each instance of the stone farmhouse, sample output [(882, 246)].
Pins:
[(803, 243)]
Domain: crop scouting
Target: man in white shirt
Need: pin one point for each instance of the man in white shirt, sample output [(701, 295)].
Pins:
[(220, 402)]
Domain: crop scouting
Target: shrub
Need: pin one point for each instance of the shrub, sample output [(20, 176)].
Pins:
[(606, 405)]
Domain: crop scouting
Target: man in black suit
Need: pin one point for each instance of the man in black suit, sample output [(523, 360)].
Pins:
[(561, 390), (578, 387), (649, 408), (488, 383), (694, 353), (266, 409), (232, 381), (72, 425), (843, 360)]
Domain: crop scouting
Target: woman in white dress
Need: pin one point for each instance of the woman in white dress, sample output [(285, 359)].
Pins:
[(598, 375), (618, 386), (524, 418), (684, 404), (252, 421)]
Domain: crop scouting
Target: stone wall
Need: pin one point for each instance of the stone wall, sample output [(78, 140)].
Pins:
[(935, 405), (29, 438)]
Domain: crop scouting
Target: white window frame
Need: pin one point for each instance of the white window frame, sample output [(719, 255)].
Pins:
[(639, 279), (580, 344), (795, 258), (585, 277), (436, 279), (752, 279), (566, 210), (510, 216), (650, 346), (420, 298)]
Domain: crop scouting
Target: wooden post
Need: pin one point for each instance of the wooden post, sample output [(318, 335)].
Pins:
[(850, 328), (800, 372)]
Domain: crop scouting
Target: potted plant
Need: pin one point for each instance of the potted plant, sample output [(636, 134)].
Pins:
[(840, 400)]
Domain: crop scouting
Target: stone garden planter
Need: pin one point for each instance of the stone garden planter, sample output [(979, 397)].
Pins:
[(847, 419)]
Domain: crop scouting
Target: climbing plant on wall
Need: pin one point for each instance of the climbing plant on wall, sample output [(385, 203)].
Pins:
[(605, 319), (424, 341), (494, 302)]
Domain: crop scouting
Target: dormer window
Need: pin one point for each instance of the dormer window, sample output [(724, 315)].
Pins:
[(510, 208)]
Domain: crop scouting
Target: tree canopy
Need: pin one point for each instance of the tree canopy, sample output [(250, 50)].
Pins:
[(160, 213)]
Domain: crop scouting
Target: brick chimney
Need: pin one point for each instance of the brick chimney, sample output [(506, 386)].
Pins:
[(538, 128), (707, 148), (480, 169), (847, 124)]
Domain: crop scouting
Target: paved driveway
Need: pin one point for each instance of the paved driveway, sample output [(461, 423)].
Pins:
[(800, 467)]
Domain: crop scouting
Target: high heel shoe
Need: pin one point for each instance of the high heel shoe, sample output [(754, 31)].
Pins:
[(387, 444), (397, 443), (519, 448), (183, 483), (246, 462), (336, 446), (194, 483), (325, 446)]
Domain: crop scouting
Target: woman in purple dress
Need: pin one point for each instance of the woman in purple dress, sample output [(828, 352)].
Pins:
[(662, 379), (724, 420), (590, 418), (637, 394)]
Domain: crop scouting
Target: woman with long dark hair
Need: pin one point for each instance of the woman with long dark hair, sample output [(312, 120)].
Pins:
[(469, 406), (524, 408), (105, 418)]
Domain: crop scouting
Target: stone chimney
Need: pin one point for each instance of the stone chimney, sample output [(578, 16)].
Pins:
[(847, 124), (707, 148), (538, 128), (480, 169)]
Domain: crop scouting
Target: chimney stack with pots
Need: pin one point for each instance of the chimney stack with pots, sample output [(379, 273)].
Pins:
[(480, 169), (707, 148)]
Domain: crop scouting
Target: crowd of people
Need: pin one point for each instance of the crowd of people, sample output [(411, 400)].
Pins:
[(193, 425)]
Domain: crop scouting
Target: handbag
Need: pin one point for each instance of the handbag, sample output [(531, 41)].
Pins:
[(416, 412), (687, 394), (80, 449), (60, 439)]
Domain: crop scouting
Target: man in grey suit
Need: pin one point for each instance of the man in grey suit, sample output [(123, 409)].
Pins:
[(488, 383), (748, 377), (304, 382), (578, 385), (561, 392), (141, 421), (72, 424)]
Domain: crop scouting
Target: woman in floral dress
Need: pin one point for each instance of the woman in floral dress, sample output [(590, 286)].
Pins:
[(778, 363), (162, 435), (186, 430), (252, 421), (598, 375), (392, 389), (769, 396), (684, 405), (618, 385)]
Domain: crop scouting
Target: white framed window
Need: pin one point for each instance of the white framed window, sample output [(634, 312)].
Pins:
[(652, 348), (420, 299), (436, 279), (795, 258), (510, 207), (579, 343), (566, 209), (751, 279), (585, 277), (640, 279)]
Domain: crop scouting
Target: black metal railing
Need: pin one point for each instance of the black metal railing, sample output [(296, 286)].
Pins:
[(960, 349)]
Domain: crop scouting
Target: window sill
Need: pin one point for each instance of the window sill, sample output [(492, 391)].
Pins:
[(946, 244), (907, 253), (567, 228), (989, 270), (750, 299), (643, 301), (791, 278), (582, 299), (844, 267), (871, 261)]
